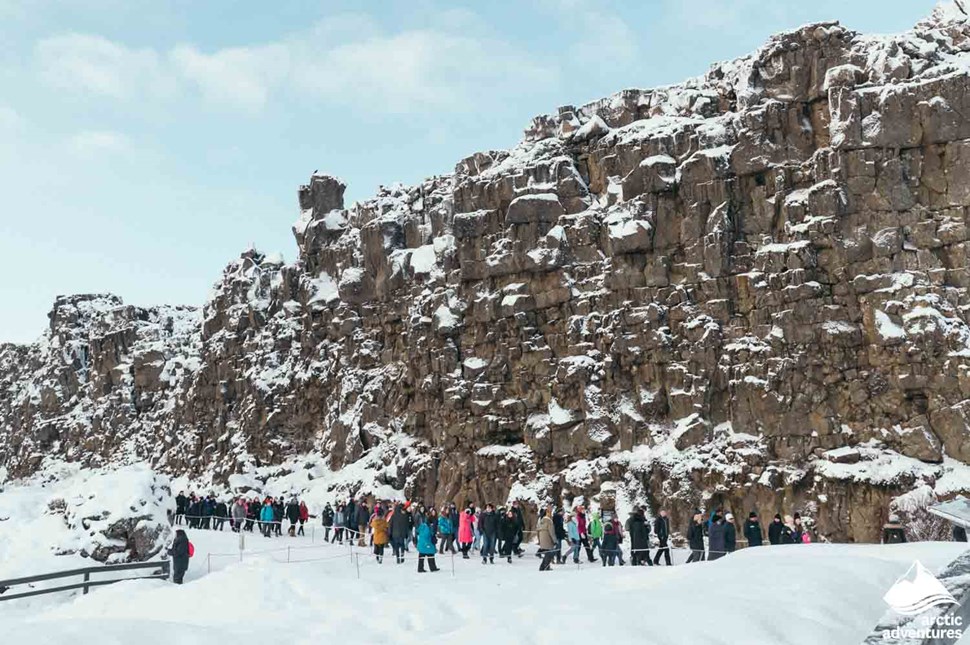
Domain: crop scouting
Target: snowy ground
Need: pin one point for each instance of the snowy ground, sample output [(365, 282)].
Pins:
[(792, 594)]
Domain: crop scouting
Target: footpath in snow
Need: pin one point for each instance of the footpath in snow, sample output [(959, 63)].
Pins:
[(790, 594)]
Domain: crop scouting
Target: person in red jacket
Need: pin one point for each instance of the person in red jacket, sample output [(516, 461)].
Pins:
[(583, 532), (304, 516)]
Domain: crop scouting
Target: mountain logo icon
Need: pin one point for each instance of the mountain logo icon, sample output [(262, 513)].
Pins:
[(916, 591)]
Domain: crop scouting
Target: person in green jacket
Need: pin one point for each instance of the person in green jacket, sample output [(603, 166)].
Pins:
[(596, 531)]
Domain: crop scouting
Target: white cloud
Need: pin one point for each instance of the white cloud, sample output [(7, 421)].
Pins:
[(95, 65), (9, 119), (239, 76), (98, 142), (602, 37), (346, 60)]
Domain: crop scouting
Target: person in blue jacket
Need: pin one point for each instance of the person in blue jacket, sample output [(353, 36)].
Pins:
[(266, 518), (426, 550), (446, 530)]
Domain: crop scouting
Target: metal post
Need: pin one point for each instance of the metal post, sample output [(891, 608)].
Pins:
[(358, 566), (87, 578), (208, 563), (287, 554), (452, 565)]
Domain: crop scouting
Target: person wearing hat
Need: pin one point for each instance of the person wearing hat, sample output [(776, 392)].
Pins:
[(775, 530), (752, 530), (893, 532), (695, 538)]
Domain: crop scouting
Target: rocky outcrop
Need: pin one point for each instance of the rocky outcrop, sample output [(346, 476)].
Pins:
[(703, 293)]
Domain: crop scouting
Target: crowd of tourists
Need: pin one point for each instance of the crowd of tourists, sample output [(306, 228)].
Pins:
[(562, 535)]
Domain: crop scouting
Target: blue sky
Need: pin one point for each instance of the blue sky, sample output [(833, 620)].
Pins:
[(143, 145)]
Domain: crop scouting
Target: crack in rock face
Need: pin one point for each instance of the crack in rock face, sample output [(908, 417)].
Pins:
[(747, 290)]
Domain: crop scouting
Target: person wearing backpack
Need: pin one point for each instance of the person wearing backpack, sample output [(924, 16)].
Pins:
[(180, 552), (327, 517), (426, 547)]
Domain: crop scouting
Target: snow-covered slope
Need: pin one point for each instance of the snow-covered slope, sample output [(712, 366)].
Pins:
[(795, 594)]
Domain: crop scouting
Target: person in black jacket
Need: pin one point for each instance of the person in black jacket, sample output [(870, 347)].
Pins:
[(252, 513), (181, 504), (327, 519), (716, 534), (362, 519), (400, 527), (661, 528), (520, 524), (179, 551), (695, 538), (293, 514), (752, 530), (775, 529), (509, 531), (488, 527), (730, 533), (220, 514), (560, 530), (639, 531)]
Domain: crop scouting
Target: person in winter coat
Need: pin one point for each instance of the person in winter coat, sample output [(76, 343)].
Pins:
[(326, 518), (466, 532), (362, 519), (639, 532), (730, 534), (775, 530), (596, 532), (695, 538), (661, 528), (339, 524), (350, 518), (788, 531), (445, 531), (800, 535), (304, 516), (508, 532), (179, 551), (752, 530), (559, 528), (181, 505), (252, 513), (959, 533), (572, 534), (426, 549), (716, 546), (520, 524), (400, 529), (618, 529), (548, 542), (893, 532), (611, 545), (239, 512), (220, 514), (488, 527), (208, 510), (267, 516), (477, 531), (583, 527), (293, 514), (278, 512), (379, 531)]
